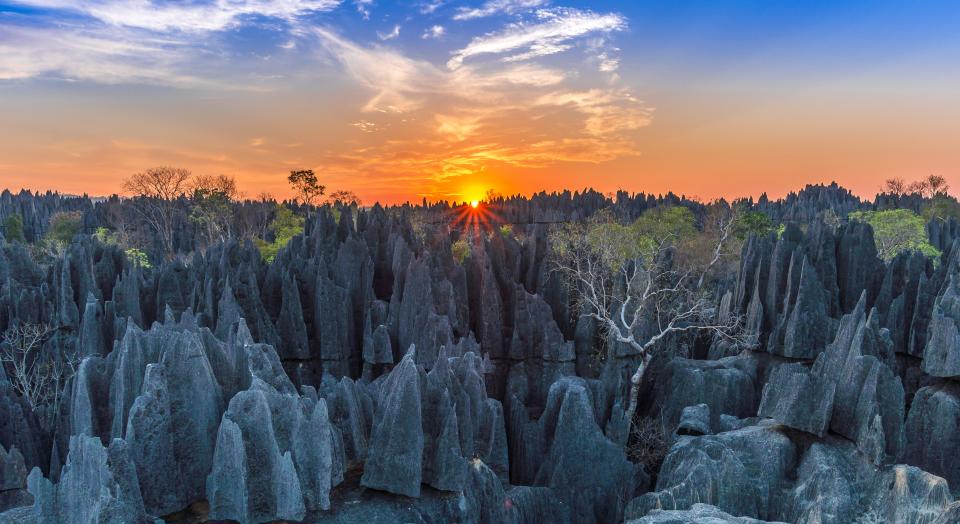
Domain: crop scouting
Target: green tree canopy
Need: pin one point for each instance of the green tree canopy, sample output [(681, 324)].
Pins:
[(284, 226), (943, 207), (896, 231), (13, 228), (64, 225), (752, 222)]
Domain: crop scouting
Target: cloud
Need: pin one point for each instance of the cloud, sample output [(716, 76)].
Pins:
[(436, 124), (553, 34), (363, 7), (433, 32), (430, 6), (199, 16), (496, 7), (110, 57), (391, 35)]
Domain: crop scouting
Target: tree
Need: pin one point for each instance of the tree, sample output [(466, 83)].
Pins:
[(38, 376), (155, 192), (941, 207), (285, 225), (64, 225), (212, 200), (644, 281), (13, 228), (344, 198), (895, 231), (752, 222), (461, 250), (895, 185), (305, 183), (930, 187)]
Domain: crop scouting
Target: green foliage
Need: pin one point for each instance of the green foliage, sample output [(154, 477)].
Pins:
[(285, 225), (13, 228), (64, 225), (138, 258), (506, 230), (105, 236), (654, 230), (942, 207), (896, 231), (212, 204), (460, 250), (753, 222)]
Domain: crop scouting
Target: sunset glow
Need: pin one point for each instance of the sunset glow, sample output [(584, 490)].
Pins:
[(474, 204), (399, 101)]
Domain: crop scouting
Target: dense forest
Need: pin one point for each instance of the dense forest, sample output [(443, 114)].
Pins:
[(186, 354)]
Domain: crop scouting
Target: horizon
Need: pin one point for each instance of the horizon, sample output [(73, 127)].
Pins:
[(445, 100)]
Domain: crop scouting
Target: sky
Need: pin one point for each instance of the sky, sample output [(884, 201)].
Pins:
[(446, 99)]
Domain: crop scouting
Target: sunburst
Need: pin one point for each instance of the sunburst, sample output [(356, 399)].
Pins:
[(475, 216)]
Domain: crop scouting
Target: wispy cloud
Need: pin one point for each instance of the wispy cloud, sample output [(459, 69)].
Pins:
[(391, 35), (110, 57), (363, 7), (553, 33), (184, 16), (496, 7), (456, 122), (433, 32), (430, 6)]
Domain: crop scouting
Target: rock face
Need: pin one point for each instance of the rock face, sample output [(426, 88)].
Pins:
[(740, 472), (933, 431), (798, 399), (850, 389), (430, 424), (697, 513), (582, 466), (396, 453), (96, 484), (941, 356)]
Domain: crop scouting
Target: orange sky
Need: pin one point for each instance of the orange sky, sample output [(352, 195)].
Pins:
[(552, 99)]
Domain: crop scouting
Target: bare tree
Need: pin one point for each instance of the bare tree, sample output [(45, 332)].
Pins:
[(39, 377), (155, 192), (929, 187), (937, 185), (644, 281), (343, 197), (895, 185)]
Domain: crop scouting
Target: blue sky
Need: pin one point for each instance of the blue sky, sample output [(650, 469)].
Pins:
[(444, 98)]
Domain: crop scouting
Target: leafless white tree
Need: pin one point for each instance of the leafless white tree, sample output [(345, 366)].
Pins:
[(649, 274), (37, 376)]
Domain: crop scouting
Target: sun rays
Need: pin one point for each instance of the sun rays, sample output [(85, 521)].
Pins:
[(475, 216)]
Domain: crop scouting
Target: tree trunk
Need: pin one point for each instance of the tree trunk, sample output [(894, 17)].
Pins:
[(635, 381)]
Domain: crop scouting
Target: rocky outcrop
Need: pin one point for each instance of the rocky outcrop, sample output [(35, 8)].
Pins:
[(741, 472), (96, 484), (696, 513)]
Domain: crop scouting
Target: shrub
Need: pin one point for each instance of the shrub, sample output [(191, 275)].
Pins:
[(460, 250), (285, 225), (648, 445)]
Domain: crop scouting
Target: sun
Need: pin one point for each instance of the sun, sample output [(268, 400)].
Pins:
[(474, 204)]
